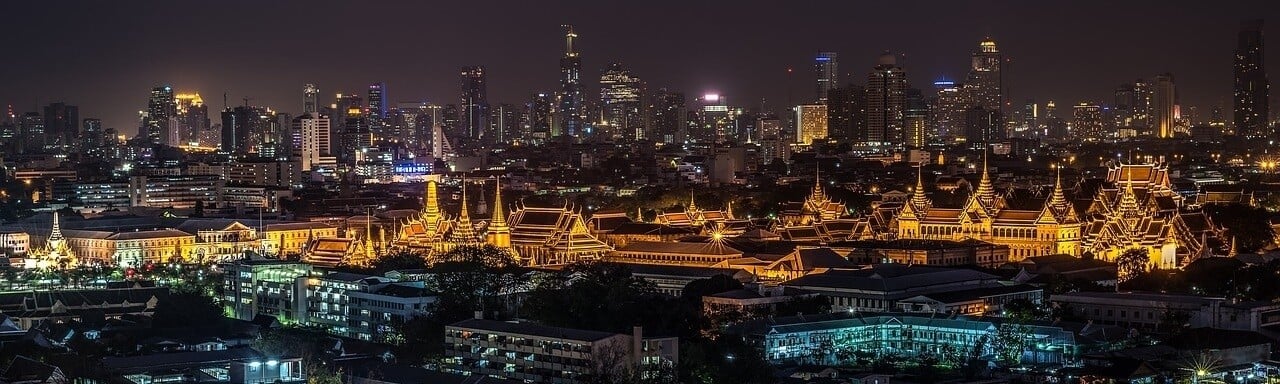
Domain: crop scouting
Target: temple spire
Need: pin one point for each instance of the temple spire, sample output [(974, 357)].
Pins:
[(693, 207), (463, 232), (917, 197), (431, 205), (1058, 199), (56, 232), (984, 185), (498, 233)]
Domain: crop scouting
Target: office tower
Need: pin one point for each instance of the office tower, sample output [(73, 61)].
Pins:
[(377, 111), (504, 122), (915, 118), (620, 100), (570, 108), (31, 133), (193, 121), (475, 103), (355, 136), (248, 129), (1164, 103), (311, 100), (983, 127), (158, 126), (985, 78), (1030, 124), (951, 103), (886, 98), (313, 140), (827, 69), (92, 138), (410, 122), (669, 116), (61, 127), (539, 118), (846, 112), (715, 120), (1087, 121), (1252, 89), (811, 123), (1124, 108)]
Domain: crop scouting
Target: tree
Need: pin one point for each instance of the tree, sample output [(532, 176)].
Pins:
[(399, 261), (1132, 263), (1009, 343), (696, 289), (185, 307)]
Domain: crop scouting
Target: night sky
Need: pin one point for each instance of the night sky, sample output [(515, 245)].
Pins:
[(105, 55)]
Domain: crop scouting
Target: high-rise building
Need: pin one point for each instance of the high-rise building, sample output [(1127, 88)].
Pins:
[(193, 121), (61, 127), (570, 110), (248, 129), (886, 100), (311, 100), (811, 123), (827, 70), (504, 123), (846, 112), (475, 102), (159, 126), (669, 116), (376, 116), (983, 127), (314, 145), (985, 78), (620, 99), (93, 138), (915, 118), (538, 117), (1252, 89), (1164, 104), (30, 125), (949, 108), (1087, 122)]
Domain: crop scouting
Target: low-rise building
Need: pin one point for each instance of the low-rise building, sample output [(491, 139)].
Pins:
[(543, 354), (1148, 310), (895, 287), (926, 252)]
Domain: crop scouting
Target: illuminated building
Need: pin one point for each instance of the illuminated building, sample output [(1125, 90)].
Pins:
[(431, 233), (985, 79), (695, 217), (15, 243), (669, 117), (1053, 229), (130, 248), (56, 253), (246, 129), (983, 127), (570, 107), (311, 100), (886, 101), (193, 121), (949, 110), (475, 102), (716, 120), (553, 236), (479, 347), (315, 145), (1136, 209), (497, 232), (1252, 89), (377, 110), (335, 251), (811, 123), (846, 114), (1088, 122), (159, 125), (816, 208), (827, 70), (174, 191), (426, 229), (620, 95), (915, 119), (504, 123), (915, 288), (835, 339), (539, 120), (61, 128), (1164, 105)]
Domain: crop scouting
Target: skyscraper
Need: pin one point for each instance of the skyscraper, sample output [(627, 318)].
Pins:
[(827, 69), (983, 126), (1252, 89), (475, 102), (886, 99), (1087, 121), (949, 108), (159, 126), (846, 112), (985, 78), (811, 123), (314, 145), (92, 138), (503, 123), (570, 108), (1164, 103), (193, 120), (915, 118), (669, 116), (61, 127), (539, 118), (377, 113), (310, 100), (620, 97)]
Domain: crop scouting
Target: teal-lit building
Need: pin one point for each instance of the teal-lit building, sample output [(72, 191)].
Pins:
[(835, 339)]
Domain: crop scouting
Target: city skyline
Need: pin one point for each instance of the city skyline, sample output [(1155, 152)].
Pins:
[(105, 70)]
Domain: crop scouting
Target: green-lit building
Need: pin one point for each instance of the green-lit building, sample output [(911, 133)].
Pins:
[(836, 338)]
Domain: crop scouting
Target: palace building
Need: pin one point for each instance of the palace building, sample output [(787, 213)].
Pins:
[(1136, 208), (56, 253), (553, 236), (818, 207), (1052, 229)]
